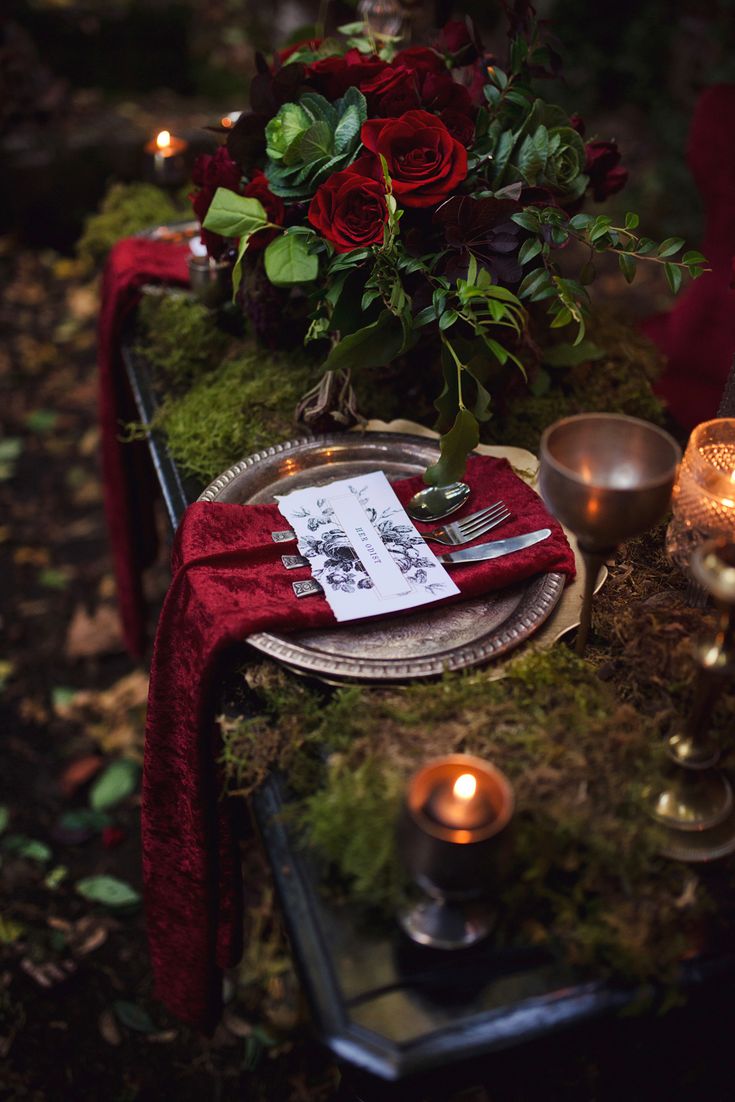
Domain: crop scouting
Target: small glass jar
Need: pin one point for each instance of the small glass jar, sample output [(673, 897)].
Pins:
[(704, 494)]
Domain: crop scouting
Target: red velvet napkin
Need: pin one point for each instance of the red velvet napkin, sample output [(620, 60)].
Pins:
[(227, 583), (129, 483)]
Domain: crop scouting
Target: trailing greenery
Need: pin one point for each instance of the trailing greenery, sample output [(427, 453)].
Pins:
[(126, 209)]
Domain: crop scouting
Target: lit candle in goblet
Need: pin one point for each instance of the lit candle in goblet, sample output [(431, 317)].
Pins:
[(607, 477), (454, 840), (704, 494), (166, 161)]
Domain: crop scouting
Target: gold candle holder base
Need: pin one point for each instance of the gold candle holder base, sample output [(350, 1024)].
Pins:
[(691, 801), (700, 845)]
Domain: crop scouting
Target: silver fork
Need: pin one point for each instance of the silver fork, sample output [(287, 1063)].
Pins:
[(460, 531), (469, 528)]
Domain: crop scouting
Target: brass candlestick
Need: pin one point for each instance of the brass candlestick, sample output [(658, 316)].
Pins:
[(607, 477), (695, 802)]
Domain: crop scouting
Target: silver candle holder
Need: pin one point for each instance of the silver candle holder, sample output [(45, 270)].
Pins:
[(210, 280), (454, 838)]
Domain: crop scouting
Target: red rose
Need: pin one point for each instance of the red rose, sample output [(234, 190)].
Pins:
[(349, 210), (332, 76), (210, 172), (440, 93), (420, 58), (602, 165), (274, 208), (459, 125), (392, 91), (459, 37), (424, 161)]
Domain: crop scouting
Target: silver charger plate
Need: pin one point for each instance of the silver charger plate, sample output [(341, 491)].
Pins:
[(424, 643)]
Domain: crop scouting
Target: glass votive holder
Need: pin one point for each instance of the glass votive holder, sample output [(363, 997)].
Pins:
[(704, 494)]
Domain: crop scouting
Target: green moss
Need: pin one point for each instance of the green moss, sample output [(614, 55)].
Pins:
[(126, 209), (181, 340), (246, 405)]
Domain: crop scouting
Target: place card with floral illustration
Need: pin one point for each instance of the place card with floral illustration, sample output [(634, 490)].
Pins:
[(362, 548)]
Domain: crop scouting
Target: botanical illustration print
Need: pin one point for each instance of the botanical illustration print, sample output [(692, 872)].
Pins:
[(335, 562)]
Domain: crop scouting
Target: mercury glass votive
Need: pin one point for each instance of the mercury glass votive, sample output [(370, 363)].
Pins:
[(454, 838), (210, 280), (166, 160), (704, 494)]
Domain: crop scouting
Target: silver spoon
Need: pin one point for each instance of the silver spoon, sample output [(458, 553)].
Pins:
[(436, 502)]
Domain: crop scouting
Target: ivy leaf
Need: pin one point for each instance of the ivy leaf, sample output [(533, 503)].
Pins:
[(109, 891), (288, 261), (374, 345), (118, 781), (455, 446), (234, 215), (674, 276), (627, 266)]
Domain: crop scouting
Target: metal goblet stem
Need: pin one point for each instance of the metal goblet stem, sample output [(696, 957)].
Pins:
[(607, 477)]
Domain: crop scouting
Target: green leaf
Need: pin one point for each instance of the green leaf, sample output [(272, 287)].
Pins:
[(51, 578), (670, 246), (528, 250), (29, 848), (447, 320), (674, 276), (631, 220), (645, 246), (314, 143), (109, 891), (41, 420), (374, 345), (569, 355), (10, 449), (527, 220), (627, 266), (234, 215), (455, 446), (534, 281), (10, 931), (581, 221), (563, 317), (118, 781), (4, 817), (133, 1016), (288, 261), (693, 257)]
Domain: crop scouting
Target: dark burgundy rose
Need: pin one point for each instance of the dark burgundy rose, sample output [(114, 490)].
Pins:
[(439, 92), (459, 125), (420, 58), (577, 123), (212, 171), (332, 76), (424, 161), (398, 101), (273, 206), (484, 228), (394, 84), (459, 38), (349, 210), (602, 165)]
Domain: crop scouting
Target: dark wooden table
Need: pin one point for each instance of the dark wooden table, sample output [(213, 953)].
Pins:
[(394, 1011)]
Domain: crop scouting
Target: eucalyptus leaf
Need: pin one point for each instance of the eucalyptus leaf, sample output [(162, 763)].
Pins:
[(118, 781), (234, 215), (109, 891), (288, 261)]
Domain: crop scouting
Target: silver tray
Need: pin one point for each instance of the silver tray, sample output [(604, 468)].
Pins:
[(420, 644)]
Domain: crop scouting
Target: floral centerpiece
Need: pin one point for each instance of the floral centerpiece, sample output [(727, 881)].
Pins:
[(422, 198)]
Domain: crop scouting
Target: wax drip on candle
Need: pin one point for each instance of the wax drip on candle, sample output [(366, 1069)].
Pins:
[(462, 804)]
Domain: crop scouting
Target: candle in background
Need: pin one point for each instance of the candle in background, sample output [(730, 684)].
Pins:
[(704, 494), (166, 161)]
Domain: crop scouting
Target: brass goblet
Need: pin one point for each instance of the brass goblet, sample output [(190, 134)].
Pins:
[(607, 477), (696, 800)]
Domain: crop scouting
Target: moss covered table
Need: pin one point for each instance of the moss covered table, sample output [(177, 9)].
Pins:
[(401, 1013)]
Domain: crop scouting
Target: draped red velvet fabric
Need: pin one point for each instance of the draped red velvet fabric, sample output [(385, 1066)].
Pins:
[(228, 582), (697, 335), (128, 479)]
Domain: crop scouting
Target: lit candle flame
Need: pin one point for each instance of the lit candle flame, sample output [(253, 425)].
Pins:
[(465, 786), (163, 139)]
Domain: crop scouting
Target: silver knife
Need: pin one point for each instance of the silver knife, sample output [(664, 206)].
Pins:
[(494, 549)]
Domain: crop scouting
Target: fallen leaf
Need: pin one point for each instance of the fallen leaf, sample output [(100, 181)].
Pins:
[(30, 848), (41, 420), (109, 891), (133, 1016), (79, 773), (96, 938), (119, 780), (48, 973), (100, 633), (53, 578), (31, 556), (164, 1037), (109, 1029), (10, 931), (55, 878)]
